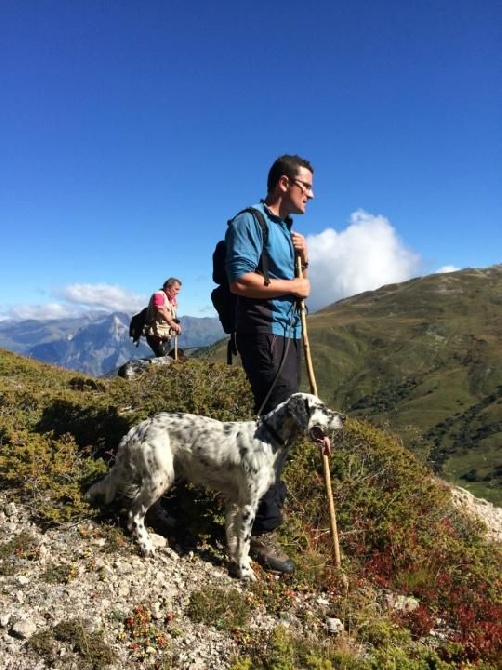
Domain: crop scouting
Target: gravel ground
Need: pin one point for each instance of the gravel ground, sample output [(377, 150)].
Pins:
[(484, 510), (102, 588)]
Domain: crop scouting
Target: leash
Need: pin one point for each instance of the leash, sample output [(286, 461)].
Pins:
[(281, 365), (325, 457)]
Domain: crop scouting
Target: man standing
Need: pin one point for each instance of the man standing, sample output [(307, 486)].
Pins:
[(161, 317), (268, 326)]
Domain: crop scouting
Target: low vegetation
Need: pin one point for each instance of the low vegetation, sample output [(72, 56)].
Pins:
[(87, 644), (422, 358), (419, 586)]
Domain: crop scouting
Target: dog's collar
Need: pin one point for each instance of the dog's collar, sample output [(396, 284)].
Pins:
[(275, 435)]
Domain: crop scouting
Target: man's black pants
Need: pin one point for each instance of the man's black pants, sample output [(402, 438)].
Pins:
[(159, 347), (263, 357)]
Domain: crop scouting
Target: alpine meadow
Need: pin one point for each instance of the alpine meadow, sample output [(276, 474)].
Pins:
[(416, 367)]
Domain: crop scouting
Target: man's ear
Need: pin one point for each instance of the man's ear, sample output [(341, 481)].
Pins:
[(283, 182)]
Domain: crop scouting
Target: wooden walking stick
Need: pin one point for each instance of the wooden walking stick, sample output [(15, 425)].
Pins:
[(325, 457), (175, 347)]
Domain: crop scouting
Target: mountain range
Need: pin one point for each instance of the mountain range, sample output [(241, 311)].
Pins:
[(95, 344)]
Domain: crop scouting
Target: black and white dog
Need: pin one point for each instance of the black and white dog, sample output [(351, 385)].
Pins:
[(236, 458)]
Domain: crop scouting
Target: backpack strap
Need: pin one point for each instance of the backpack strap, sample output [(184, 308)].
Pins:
[(258, 216), (264, 257)]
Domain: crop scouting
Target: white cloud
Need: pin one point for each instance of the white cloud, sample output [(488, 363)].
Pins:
[(77, 299), (446, 268), (103, 296), (38, 312), (363, 257)]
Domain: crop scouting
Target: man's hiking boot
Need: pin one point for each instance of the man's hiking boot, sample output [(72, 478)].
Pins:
[(268, 552)]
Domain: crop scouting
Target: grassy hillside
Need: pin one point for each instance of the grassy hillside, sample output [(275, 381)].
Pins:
[(400, 535), (424, 359)]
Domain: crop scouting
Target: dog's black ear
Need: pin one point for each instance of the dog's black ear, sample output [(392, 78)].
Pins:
[(299, 409)]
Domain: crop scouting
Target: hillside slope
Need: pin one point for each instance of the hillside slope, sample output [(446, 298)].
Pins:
[(424, 359), (419, 585)]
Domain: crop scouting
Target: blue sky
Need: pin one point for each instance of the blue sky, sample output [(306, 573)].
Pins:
[(131, 131)]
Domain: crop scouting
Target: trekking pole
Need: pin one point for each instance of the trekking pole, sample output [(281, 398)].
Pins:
[(175, 347), (325, 457)]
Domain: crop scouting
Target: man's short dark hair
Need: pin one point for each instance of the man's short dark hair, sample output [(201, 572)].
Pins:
[(287, 165)]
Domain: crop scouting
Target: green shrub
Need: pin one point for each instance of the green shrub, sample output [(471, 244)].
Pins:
[(398, 530), (223, 608), (89, 645)]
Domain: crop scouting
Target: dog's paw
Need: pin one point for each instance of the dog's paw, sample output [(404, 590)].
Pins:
[(148, 553), (241, 572), (246, 572), (249, 577), (147, 549)]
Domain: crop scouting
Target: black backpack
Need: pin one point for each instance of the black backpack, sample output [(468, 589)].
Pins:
[(225, 302), (137, 326)]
